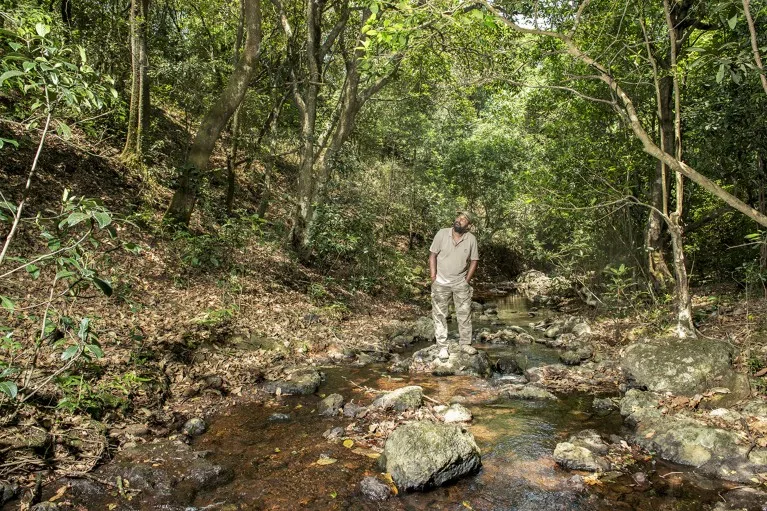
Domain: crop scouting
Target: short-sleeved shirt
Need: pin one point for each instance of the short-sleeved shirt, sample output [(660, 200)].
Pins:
[(453, 257)]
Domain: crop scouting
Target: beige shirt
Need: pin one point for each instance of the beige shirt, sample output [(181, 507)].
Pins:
[(453, 257)]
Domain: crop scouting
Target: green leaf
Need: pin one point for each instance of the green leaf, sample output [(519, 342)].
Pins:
[(69, 353), (28, 66), (33, 270), (102, 218), (720, 74), (85, 327), (64, 131), (733, 21), (7, 303), (103, 285), (95, 350), (42, 29), (9, 389), (75, 218), (9, 74), (82, 54), (4, 141)]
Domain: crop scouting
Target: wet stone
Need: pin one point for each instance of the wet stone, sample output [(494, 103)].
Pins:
[(528, 392), (604, 404), (334, 433), (354, 410), (194, 427), (301, 382), (457, 413), (279, 417), (402, 399), (374, 489), (331, 405), (7, 491)]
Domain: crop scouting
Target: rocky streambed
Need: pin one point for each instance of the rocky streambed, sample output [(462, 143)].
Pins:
[(534, 416)]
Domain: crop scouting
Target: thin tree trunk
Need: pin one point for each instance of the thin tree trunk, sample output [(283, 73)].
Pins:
[(231, 162), (685, 327), (138, 113), (755, 44), (185, 198)]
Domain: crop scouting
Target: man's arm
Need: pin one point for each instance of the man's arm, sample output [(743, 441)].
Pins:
[(433, 266), (472, 269)]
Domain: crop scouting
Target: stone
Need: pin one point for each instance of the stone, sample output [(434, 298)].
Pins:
[(553, 331), (374, 489), (726, 415), (525, 338), (300, 382), (170, 472), (331, 405), (575, 457), (476, 306), (749, 499), (681, 439), (402, 399), (756, 408), (45, 506), (507, 365), (279, 417), (422, 455), (581, 329), (423, 329), (24, 437), (604, 404), (683, 367), (459, 362), (517, 329), (591, 440), (334, 433), (194, 427), (7, 491), (457, 413), (570, 358), (354, 410), (528, 392)]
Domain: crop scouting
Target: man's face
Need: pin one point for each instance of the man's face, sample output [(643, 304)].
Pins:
[(461, 224)]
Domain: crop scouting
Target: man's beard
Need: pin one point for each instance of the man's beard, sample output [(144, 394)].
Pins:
[(459, 229)]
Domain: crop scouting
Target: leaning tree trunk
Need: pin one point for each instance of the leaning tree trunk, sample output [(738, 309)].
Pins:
[(185, 198), (138, 113)]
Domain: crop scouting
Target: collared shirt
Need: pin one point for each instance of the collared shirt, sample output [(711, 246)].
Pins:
[(453, 257)]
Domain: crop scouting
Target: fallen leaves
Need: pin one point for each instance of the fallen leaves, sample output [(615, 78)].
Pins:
[(325, 461)]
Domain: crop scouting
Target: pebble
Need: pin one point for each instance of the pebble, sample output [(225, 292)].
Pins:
[(279, 417), (374, 489), (194, 427), (334, 433)]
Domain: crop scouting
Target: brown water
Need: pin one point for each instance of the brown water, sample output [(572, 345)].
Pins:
[(275, 467)]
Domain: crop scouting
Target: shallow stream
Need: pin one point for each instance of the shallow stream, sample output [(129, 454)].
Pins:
[(274, 461)]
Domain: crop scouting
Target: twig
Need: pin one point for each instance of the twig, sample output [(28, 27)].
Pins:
[(670, 473)]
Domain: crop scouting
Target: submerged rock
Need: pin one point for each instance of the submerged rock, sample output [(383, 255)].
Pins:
[(301, 382), (583, 451), (374, 489), (683, 367), (422, 455), (462, 360), (402, 399), (457, 413)]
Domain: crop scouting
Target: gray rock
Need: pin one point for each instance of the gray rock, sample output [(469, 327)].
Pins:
[(375, 490), (169, 471), (457, 413), (279, 417), (756, 408), (194, 427), (570, 358), (459, 362), (7, 491), (422, 455), (45, 506), (525, 338), (750, 499), (604, 404), (301, 382), (575, 457), (517, 329), (331, 405), (591, 440), (528, 392), (476, 306), (684, 367), (423, 329), (540, 289), (354, 410), (581, 329), (553, 331), (334, 433), (402, 399), (507, 365), (713, 451)]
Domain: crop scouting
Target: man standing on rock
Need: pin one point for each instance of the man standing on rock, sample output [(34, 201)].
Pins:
[(452, 262)]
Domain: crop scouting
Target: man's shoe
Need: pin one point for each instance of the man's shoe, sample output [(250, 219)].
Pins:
[(444, 354)]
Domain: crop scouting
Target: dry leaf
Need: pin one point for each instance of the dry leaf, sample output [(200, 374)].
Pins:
[(325, 461), (59, 493), (650, 434), (348, 443)]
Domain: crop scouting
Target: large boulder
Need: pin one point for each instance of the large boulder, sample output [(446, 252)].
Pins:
[(683, 367), (402, 399), (462, 360), (723, 453), (301, 382), (422, 455)]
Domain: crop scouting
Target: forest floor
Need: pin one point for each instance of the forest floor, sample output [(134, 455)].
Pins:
[(184, 338)]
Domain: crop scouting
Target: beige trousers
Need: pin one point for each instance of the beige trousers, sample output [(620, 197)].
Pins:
[(440, 300)]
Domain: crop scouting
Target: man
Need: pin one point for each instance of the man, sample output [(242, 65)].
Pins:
[(452, 262)]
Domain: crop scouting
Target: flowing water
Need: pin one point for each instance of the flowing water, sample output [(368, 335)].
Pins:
[(275, 467)]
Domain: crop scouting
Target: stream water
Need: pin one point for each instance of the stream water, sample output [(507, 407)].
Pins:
[(275, 467)]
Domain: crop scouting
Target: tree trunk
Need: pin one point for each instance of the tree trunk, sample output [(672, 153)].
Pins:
[(138, 113), (185, 198), (231, 161)]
